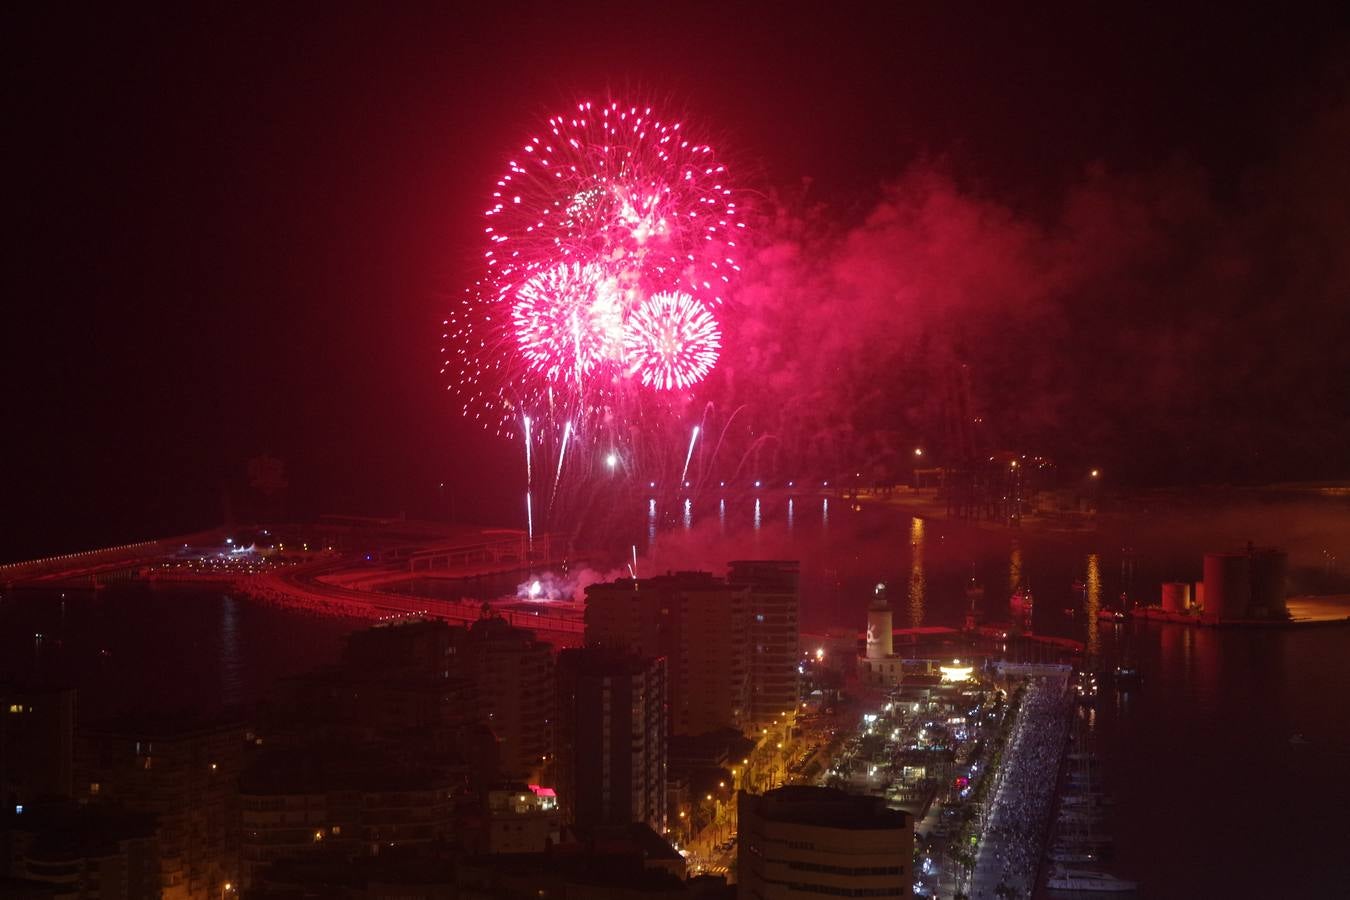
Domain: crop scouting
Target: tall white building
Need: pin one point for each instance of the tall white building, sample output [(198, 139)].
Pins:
[(808, 842)]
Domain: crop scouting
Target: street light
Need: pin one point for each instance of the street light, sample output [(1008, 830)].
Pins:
[(612, 460)]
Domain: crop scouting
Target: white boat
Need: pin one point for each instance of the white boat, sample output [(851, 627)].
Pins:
[(1082, 880)]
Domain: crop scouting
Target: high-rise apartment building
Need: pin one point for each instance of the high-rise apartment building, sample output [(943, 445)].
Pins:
[(336, 800), (187, 774), (431, 675), (774, 595), (37, 735), (700, 624), (807, 842), (512, 675), (611, 738), (415, 647), (79, 850)]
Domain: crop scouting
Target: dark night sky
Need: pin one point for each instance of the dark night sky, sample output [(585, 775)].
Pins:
[(238, 230)]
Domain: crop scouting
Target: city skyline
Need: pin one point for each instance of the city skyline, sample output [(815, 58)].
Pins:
[(695, 451)]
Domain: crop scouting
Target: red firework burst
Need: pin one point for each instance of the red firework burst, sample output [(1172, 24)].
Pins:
[(671, 341), (568, 321), (617, 184)]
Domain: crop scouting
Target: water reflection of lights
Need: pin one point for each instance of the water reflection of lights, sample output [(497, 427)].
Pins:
[(1093, 603), (917, 581)]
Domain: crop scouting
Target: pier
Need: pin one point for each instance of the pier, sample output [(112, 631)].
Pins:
[(1012, 843)]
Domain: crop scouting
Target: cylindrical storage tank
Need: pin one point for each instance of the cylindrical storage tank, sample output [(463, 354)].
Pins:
[(879, 636), (1228, 586), (1176, 596), (1269, 571)]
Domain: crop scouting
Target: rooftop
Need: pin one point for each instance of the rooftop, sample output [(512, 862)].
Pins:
[(826, 808)]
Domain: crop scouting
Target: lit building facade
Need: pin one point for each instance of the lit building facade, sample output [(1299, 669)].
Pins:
[(512, 676), (81, 850), (299, 802), (611, 738), (774, 595), (37, 738), (188, 776), (807, 842), (522, 818), (700, 624)]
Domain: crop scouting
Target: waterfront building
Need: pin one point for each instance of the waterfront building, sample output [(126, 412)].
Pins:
[(700, 624), (630, 863), (836, 648), (879, 664), (434, 680), (512, 677), (339, 800), (37, 740), (420, 716), (611, 738), (187, 775), (414, 646), (772, 639), (521, 818), (1244, 584), (412, 872), (805, 842), (76, 850)]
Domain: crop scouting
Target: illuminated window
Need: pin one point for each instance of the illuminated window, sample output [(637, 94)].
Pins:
[(15, 708), (94, 787)]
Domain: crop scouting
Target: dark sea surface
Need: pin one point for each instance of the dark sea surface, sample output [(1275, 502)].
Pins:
[(133, 649), (1213, 800)]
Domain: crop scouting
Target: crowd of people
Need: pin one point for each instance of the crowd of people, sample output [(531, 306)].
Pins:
[(1014, 837)]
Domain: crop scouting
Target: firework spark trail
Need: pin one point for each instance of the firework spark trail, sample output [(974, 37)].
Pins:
[(689, 454), (529, 487), (562, 454), (529, 473)]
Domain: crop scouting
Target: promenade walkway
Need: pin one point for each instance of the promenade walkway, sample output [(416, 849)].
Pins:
[(1014, 837)]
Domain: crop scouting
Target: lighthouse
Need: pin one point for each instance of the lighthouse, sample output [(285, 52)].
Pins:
[(879, 625)]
